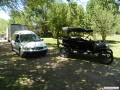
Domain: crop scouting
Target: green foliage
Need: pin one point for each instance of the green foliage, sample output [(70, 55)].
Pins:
[(103, 22), (57, 17), (3, 26), (102, 16), (76, 15), (49, 16), (109, 5)]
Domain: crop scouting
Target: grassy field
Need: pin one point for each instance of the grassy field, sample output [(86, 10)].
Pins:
[(114, 42)]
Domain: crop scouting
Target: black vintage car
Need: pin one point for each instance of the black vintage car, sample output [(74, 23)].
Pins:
[(80, 40)]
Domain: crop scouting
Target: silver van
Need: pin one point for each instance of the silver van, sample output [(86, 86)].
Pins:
[(25, 42)]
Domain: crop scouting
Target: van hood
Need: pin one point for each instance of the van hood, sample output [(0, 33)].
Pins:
[(33, 44)]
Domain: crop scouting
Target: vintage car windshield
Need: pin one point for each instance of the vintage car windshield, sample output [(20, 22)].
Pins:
[(79, 33), (29, 37), (85, 36)]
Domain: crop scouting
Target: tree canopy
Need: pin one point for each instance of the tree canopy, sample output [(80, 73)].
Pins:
[(103, 16), (47, 17)]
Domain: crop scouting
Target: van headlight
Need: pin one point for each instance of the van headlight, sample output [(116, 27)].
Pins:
[(45, 47), (25, 49)]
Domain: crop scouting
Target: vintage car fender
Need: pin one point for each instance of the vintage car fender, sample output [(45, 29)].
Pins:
[(101, 47)]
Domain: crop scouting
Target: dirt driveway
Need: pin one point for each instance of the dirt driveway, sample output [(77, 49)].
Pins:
[(52, 72)]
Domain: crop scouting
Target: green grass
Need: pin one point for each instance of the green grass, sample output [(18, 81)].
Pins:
[(50, 40), (114, 42)]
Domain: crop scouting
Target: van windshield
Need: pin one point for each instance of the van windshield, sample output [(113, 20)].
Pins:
[(29, 37)]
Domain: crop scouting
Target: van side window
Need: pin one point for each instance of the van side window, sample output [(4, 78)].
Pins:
[(14, 37), (17, 38)]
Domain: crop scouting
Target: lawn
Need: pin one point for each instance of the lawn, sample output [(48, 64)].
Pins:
[(114, 42), (51, 43)]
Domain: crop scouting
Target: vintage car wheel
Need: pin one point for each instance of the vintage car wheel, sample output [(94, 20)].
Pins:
[(109, 50), (64, 52), (105, 57)]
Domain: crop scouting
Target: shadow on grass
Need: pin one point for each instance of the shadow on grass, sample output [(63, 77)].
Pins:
[(52, 72), (116, 58), (51, 45), (112, 42), (86, 57)]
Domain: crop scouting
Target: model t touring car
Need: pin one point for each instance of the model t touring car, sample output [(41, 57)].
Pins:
[(80, 40)]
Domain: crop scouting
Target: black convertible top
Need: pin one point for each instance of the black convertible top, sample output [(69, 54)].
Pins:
[(71, 29)]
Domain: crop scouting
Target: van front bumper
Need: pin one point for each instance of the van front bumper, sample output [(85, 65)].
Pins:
[(35, 52)]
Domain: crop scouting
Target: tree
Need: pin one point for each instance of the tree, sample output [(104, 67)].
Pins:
[(57, 19), (103, 16), (109, 5), (15, 17), (3, 26), (76, 15), (103, 22), (38, 14), (21, 17)]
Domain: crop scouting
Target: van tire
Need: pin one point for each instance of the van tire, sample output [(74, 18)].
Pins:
[(21, 53), (12, 47)]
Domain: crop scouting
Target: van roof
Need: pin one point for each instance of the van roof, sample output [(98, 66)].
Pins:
[(24, 32)]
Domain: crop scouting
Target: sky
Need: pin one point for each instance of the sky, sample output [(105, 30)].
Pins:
[(7, 17), (4, 15), (83, 2)]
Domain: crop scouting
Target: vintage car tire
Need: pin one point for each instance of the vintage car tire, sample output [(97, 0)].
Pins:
[(64, 52), (105, 57), (109, 50)]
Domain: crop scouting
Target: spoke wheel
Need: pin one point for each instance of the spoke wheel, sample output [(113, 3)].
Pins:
[(64, 52), (105, 57), (109, 50)]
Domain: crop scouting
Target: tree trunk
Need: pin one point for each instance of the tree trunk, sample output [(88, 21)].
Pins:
[(103, 38), (58, 43)]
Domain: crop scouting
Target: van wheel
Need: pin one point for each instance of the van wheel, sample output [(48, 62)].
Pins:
[(20, 52), (11, 47)]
